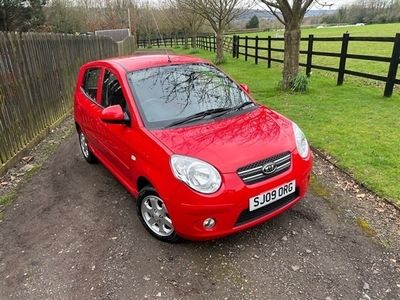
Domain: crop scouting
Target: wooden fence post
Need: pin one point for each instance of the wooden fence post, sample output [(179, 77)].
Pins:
[(269, 51), (246, 44), (238, 47), (256, 51), (234, 47), (309, 54), (343, 57), (393, 67)]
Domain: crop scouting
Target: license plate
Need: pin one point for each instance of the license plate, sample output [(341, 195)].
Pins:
[(272, 195)]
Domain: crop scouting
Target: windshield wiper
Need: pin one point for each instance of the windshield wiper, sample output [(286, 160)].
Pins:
[(199, 116), (243, 105), (236, 108)]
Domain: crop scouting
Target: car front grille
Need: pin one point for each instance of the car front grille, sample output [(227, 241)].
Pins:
[(253, 173), (248, 216)]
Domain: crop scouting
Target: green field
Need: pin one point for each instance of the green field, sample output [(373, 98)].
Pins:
[(356, 125), (365, 48)]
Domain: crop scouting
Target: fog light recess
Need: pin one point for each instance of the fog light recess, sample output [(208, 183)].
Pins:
[(209, 223)]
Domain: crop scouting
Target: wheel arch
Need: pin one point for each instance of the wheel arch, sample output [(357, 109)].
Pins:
[(78, 128), (142, 182)]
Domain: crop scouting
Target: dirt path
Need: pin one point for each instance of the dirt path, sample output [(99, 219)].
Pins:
[(72, 233)]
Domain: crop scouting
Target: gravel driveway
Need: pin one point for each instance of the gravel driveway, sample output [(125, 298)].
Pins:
[(72, 233)]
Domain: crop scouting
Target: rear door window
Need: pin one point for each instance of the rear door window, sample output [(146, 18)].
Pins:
[(90, 82)]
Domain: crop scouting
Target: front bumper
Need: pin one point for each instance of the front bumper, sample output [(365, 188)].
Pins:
[(230, 205)]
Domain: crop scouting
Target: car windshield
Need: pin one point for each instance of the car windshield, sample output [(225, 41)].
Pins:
[(172, 95)]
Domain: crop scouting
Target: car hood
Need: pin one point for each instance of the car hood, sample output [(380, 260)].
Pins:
[(233, 142)]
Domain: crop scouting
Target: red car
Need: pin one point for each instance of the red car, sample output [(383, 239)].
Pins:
[(200, 156)]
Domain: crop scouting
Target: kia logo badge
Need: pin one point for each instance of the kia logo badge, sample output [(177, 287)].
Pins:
[(269, 168)]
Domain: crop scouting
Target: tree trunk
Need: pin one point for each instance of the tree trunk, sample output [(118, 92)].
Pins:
[(194, 38), (220, 47), (291, 56)]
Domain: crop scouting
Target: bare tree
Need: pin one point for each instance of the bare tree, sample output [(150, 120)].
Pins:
[(219, 14), (291, 15), (189, 21)]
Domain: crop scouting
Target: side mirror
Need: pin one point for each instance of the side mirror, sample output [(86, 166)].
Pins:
[(114, 115), (245, 88)]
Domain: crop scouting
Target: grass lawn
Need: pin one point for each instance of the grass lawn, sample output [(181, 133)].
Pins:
[(356, 125), (365, 48)]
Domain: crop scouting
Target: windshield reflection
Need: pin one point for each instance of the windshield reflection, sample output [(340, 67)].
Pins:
[(171, 93)]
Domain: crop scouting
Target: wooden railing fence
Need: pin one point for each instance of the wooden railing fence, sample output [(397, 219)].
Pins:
[(202, 41), (37, 79), (163, 42), (241, 47)]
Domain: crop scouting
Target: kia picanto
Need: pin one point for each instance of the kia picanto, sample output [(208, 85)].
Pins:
[(202, 159)]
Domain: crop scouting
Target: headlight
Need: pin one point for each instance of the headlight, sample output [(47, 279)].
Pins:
[(197, 174), (301, 141)]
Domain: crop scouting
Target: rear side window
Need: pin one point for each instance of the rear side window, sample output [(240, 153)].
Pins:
[(112, 92), (90, 81)]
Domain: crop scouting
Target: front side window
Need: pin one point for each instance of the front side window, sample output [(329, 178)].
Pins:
[(165, 95), (90, 82), (112, 92)]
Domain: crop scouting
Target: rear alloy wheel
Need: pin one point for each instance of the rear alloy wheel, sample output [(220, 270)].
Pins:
[(154, 215), (87, 154)]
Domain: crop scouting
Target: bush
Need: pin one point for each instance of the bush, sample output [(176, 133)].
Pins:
[(300, 83)]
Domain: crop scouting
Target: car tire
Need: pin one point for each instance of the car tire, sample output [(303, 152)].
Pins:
[(85, 149), (153, 214)]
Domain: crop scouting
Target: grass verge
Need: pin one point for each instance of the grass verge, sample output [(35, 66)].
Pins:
[(354, 124)]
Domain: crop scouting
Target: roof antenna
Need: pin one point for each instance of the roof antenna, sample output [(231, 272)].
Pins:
[(162, 39)]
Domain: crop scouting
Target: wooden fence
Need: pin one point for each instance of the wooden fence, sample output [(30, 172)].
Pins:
[(163, 42), (37, 79), (209, 43), (241, 46), (202, 41), (127, 46)]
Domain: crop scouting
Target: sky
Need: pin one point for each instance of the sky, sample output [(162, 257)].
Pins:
[(338, 3)]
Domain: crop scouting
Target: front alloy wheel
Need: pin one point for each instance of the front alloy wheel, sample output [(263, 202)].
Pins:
[(154, 215)]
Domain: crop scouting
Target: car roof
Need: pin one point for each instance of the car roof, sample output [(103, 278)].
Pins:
[(139, 62)]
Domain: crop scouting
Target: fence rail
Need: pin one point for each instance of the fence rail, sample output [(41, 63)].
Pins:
[(37, 78)]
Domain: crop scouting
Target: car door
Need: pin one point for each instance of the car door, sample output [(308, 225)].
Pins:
[(118, 139), (89, 109)]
